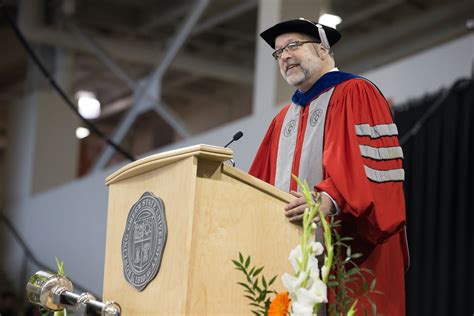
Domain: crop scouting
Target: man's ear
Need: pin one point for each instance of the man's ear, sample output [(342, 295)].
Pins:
[(323, 52)]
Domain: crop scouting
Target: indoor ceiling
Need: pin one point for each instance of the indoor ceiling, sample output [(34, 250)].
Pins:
[(215, 63)]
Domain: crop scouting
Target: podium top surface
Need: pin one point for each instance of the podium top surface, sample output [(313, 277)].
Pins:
[(162, 159)]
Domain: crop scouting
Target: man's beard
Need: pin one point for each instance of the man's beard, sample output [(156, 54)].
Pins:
[(301, 75), (298, 77)]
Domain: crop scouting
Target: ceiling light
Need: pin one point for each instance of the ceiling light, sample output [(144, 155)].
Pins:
[(89, 106), (330, 20), (82, 132)]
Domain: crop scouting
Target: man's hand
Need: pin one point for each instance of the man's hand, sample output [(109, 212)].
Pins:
[(295, 209)]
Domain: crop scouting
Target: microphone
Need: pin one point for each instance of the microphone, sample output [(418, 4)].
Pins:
[(236, 136), (54, 293)]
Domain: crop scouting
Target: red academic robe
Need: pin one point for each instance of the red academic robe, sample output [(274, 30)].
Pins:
[(362, 172)]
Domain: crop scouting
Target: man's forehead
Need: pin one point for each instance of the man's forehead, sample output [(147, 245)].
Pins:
[(286, 38)]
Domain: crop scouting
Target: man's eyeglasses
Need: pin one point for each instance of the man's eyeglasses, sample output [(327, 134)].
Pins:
[(290, 47)]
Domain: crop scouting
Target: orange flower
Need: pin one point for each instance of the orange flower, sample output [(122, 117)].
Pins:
[(279, 305)]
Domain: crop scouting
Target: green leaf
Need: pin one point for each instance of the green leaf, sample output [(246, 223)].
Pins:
[(255, 284), (272, 280), (258, 271), (264, 282), (247, 262), (348, 252), (249, 279), (237, 264), (245, 286), (241, 258), (251, 273), (374, 309), (356, 255), (352, 309), (250, 297), (372, 284), (60, 265), (367, 271), (352, 272), (256, 287), (240, 269), (371, 302), (250, 292), (346, 238)]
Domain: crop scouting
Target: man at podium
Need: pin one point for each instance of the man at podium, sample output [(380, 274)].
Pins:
[(338, 134)]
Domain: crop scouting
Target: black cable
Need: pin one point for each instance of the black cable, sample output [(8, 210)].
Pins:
[(29, 254), (58, 89)]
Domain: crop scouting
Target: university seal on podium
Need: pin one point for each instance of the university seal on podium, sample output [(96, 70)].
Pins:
[(144, 240)]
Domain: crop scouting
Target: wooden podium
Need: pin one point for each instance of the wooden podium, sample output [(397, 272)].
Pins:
[(213, 212)]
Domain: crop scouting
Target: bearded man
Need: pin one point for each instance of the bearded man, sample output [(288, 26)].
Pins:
[(338, 134)]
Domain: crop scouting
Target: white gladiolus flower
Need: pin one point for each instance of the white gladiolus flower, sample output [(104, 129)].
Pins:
[(305, 297), (317, 248), (306, 288), (298, 309), (296, 255), (313, 268), (320, 292), (292, 283)]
